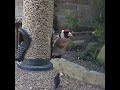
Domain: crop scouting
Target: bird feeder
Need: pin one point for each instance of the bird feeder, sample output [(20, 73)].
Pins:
[(37, 26)]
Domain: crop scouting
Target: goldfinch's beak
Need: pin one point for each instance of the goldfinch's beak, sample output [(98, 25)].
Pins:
[(70, 34), (61, 74), (93, 32)]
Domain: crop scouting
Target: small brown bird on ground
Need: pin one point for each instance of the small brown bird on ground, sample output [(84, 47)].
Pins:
[(62, 40)]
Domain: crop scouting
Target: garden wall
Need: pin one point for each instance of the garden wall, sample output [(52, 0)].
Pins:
[(85, 10)]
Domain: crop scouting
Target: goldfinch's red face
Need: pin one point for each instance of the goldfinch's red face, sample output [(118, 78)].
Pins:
[(66, 33)]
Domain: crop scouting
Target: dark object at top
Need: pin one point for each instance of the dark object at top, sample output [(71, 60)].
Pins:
[(23, 45), (56, 80), (56, 56)]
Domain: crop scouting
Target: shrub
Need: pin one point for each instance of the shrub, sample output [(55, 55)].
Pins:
[(71, 22), (99, 34), (90, 52)]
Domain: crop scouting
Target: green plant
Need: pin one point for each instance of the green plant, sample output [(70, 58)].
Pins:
[(98, 24), (90, 55), (99, 34), (100, 17), (71, 22), (97, 21), (90, 52), (87, 55)]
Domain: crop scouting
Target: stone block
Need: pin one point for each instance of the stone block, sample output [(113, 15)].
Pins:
[(84, 2), (79, 72), (61, 18), (100, 80), (90, 77), (73, 1), (101, 55), (85, 12), (61, 1), (60, 23), (73, 13), (55, 64), (61, 12), (67, 6)]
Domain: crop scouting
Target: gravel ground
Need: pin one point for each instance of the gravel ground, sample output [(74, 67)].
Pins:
[(29, 80), (73, 56)]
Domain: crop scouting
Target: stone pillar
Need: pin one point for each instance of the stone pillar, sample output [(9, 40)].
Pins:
[(38, 22)]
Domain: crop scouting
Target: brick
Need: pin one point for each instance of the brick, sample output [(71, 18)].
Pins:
[(60, 18), (73, 13), (67, 6), (85, 28), (61, 1), (84, 2), (72, 1), (60, 26), (85, 13), (66, 1), (61, 12), (85, 9)]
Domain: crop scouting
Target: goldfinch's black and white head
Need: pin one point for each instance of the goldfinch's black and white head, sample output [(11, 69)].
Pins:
[(66, 33)]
